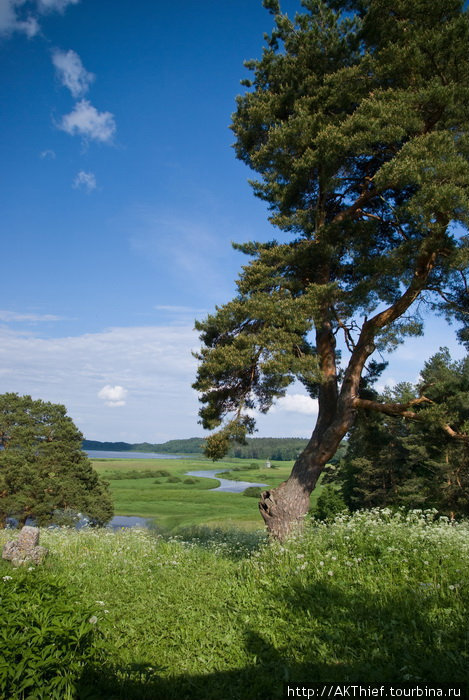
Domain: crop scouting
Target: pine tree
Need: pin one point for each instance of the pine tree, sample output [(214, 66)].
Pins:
[(44, 474), (356, 122), (415, 464)]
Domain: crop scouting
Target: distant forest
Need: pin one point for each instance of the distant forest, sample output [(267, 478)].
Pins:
[(279, 449)]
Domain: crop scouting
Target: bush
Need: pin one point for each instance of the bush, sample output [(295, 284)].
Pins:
[(161, 472), (190, 480), (253, 491), (329, 504), (46, 637), (157, 481), (173, 480)]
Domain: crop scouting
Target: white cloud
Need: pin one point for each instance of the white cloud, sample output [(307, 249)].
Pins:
[(11, 21), (21, 15), (71, 72), (13, 316), (153, 363), (85, 180), (297, 403), (113, 395), (86, 121), (48, 154)]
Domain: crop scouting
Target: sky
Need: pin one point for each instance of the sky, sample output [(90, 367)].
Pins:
[(120, 197)]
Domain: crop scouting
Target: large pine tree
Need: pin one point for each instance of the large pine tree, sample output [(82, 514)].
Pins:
[(357, 123)]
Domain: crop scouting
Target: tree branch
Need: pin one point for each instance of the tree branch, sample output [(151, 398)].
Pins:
[(402, 409)]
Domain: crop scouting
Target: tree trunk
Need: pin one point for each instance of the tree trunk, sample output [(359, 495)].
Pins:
[(284, 508)]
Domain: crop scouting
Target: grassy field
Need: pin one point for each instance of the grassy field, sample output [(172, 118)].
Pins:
[(372, 598), (179, 505)]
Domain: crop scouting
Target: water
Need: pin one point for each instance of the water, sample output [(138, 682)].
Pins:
[(109, 454), (225, 484), (119, 521)]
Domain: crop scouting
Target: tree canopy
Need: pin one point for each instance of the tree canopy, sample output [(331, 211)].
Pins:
[(43, 472), (416, 464), (357, 125)]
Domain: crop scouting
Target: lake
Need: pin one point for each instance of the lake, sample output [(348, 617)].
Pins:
[(110, 454)]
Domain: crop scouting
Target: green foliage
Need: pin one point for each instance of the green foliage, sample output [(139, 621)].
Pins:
[(416, 464), (355, 122), (173, 480), (372, 596), (253, 491), (329, 504), (48, 636), (190, 480), (43, 471)]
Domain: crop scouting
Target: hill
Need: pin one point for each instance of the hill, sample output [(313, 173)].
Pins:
[(256, 448)]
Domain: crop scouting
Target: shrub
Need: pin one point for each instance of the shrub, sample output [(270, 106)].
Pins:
[(253, 491), (161, 472), (329, 504), (157, 481), (46, 637), (190, 480), (173, 479)]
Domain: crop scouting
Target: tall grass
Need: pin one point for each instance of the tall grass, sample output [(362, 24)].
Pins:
[(377, 596)]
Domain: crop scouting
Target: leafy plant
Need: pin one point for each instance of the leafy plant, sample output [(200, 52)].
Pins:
[(47, 636), (253, 491)]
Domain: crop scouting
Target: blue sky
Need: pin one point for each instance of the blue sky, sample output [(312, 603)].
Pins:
[(120, 198)]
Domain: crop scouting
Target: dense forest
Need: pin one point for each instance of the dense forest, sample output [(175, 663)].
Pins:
[(255, 448)]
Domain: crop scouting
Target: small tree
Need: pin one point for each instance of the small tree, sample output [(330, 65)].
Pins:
[(357, 124), (44, 473)]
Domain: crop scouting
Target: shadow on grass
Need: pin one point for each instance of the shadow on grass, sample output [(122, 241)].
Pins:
[(350, 640)]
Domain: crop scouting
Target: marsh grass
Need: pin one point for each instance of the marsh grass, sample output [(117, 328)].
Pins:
[(210, 614)]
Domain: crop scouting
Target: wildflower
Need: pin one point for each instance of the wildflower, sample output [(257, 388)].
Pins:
[(93, 620), (7, 578), (330, 573), (321, 563), (99, 602)]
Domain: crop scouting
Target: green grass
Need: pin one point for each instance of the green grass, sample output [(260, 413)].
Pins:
[(377, 597), (174, 506)]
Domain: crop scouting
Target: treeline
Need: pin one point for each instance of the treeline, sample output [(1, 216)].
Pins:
[(279, 449)]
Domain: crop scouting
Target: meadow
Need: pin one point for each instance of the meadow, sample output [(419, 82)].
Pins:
[(373, 597), (173, 505)]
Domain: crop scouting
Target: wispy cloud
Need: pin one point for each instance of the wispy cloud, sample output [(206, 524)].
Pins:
[(13, 19), (86, 181), (48, 154), (113, 395), (154, 364), (22, 15), (14, 317), (87, 122), (71, 72), (55, 5)]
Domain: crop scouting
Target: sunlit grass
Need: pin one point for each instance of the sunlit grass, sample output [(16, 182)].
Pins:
[(376, 597)]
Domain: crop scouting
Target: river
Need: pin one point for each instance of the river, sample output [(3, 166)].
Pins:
[(225, 485)]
